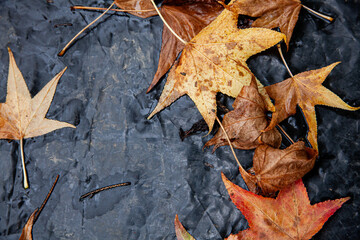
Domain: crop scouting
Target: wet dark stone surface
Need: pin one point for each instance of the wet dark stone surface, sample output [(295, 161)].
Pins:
[(103, 94)]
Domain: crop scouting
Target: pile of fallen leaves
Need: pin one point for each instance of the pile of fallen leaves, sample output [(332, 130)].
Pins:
[(215, 41), (214, 60)]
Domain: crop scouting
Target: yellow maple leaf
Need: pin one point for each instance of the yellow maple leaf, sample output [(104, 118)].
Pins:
[(22, 116), (215, 61)]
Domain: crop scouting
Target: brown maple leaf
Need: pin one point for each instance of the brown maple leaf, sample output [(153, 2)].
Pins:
[(22, 116), (26, 233), (305, 90), (273, 169), (289, 216), (215, 61), (181, 233), (245, 124), (271, 14), (146, 6), (187, 18)]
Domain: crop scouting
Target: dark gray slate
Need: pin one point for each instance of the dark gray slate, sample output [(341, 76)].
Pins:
[(103, 94)]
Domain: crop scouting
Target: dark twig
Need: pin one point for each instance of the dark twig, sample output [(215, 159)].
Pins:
[(62, 25), (92, 193), (46, 199)]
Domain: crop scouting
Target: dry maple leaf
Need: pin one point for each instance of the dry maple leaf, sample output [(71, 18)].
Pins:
[(245, 124), (187, 18), (275, 169), (146, 7), (26, 233), (289, 216), (215, 61), (271, 14), (305, 90), (274, 13), (181, 233), (22, 116)]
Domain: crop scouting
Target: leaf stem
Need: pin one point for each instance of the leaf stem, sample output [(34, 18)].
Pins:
[(102, 9), (330, 19), (46, 199), (167, 25), (26, 183), (92, 193), (285, 133), (73, 39), (283, 59), (242, 170)]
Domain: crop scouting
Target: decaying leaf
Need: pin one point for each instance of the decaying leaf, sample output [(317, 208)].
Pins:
[(305, 90), (180, 231), (22, 116), (245, 124), (289, 216), (187, 18), (215, 61), (26, 233), (275, 169), (146, 6), (271, 14)]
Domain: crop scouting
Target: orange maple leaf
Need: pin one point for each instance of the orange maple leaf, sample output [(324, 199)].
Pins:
[(289, 216), (305, 90)]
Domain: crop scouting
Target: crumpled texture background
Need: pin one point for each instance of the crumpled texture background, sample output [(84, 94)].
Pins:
[(103, 94)]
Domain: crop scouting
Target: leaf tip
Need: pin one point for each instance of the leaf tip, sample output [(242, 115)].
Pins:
[(225, 180)]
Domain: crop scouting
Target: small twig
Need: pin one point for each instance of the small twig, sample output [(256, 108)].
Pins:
[(92, 193), (46, 199), (242, 170), (285, 133), (73, 39), (283, 59), (102, 9), (167, 25), (62, 24), (26, 183), (330, 19)]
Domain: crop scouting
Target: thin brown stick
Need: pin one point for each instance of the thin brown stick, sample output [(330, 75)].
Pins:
[(92, 193), (62, 24), (319, 14), (102, 9), (73, 39), (26, 183), (46, 199), (242, 170), (167, 25), (283, 59), (285, 133)]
